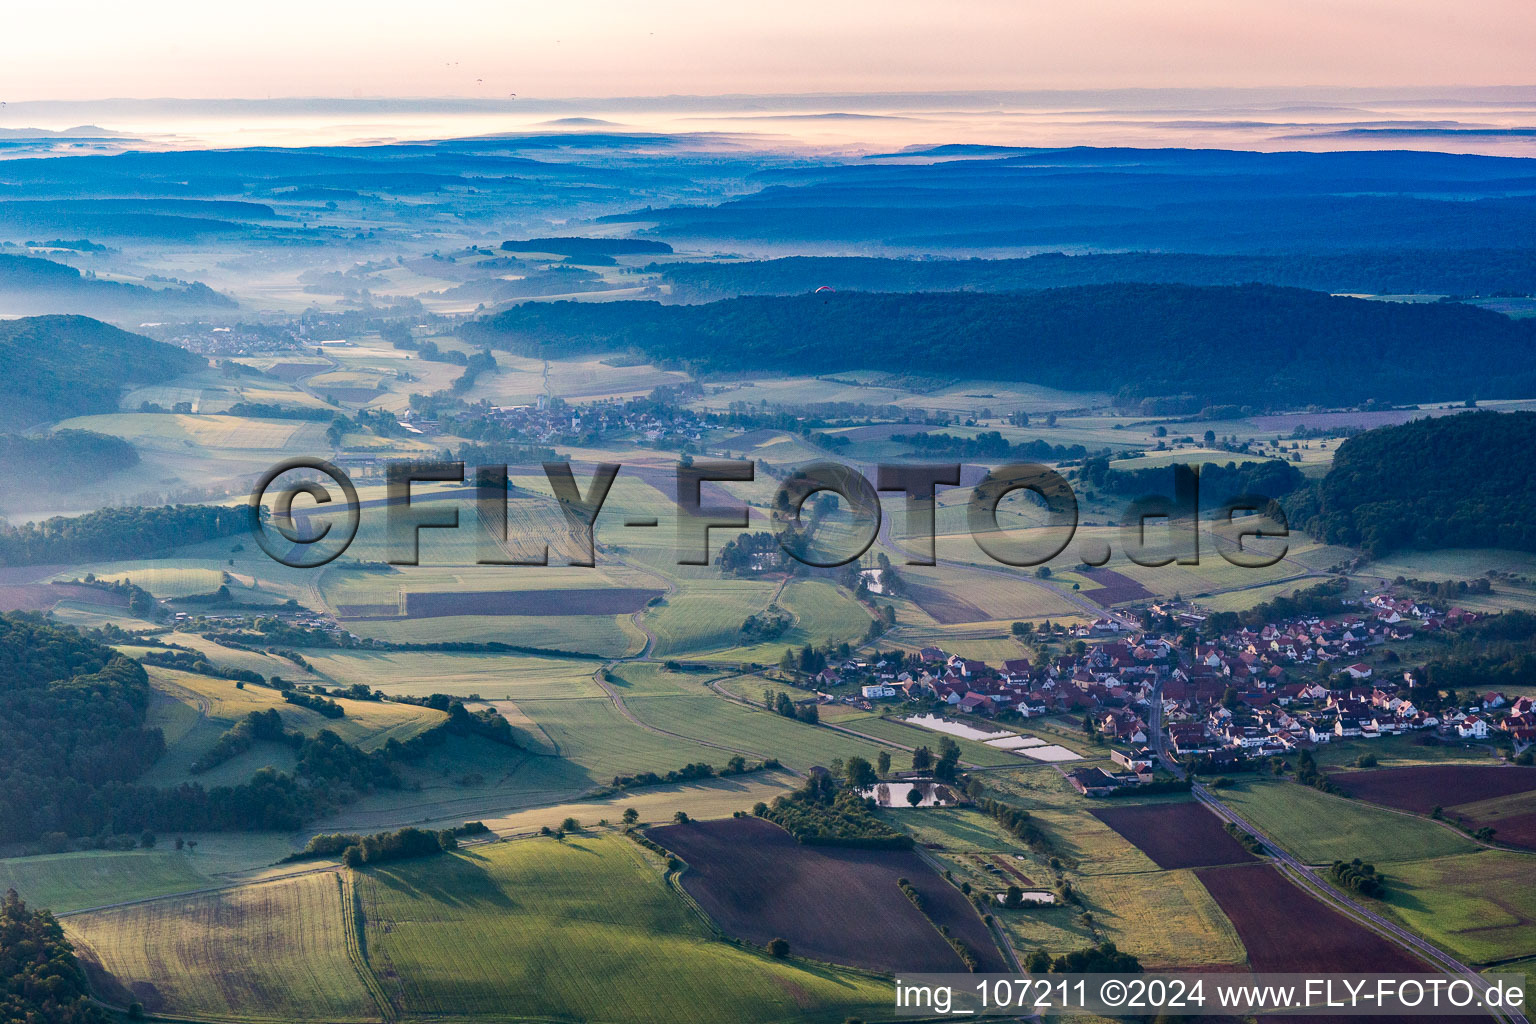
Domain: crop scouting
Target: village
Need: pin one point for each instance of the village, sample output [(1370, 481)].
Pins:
[(1219, 704)]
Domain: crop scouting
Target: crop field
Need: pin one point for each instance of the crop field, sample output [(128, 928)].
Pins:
[(1513, 818), (954, 594), (706, 615), (591, 733), (1285, 929), (272, 951), (824, 613), (1402, 751), (715, 798), (1168, 919), (493, 676), (1175, 835), (606, 636), (710, 718), (831, 903), (171, 581), (1319, 828), (1479, 905), (182, 433), (579, 930), (1422, 789), (73, 881)]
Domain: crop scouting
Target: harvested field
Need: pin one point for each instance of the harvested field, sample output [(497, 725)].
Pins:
[(1284, 929), (1422, 788), (830, 903), (38, 597), (1113, 588), (274, 951), (943, 607), (1175, 835), (433, 604)]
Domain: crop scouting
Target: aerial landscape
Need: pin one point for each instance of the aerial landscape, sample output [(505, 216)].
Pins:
[(1040, 495)]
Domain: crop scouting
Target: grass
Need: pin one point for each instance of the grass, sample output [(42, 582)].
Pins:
[(581, 930), (274, 951), (73, 881), (493, 676), (760, 733), (608, 636), (706, 616), (591, 733), (1320, 828), (823, 613), (1481, 906), (1400, 751), (170, 581), (193, 710)]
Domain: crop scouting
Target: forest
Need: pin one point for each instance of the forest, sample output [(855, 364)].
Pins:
[(1252, 345), (53, 367), (1368, 272), (117, 533), (40, 978), (1458, 481)]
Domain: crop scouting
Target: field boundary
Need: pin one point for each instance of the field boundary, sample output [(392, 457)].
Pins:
[(357, 944)]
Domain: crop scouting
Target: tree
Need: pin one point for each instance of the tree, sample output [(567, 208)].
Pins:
[(630, 816), (949, 758), (1210, 438), (570, 825), (915, 796), (860, 773), (681, 817), (883, 762), (922, 759), (778, 948)]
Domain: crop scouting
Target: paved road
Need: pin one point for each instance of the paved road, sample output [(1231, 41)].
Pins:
[(1309, 880)]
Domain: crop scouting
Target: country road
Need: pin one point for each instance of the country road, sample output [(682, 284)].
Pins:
[(1310, 881)]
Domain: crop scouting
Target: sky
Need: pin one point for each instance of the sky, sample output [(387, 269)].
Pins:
[(578, 48)]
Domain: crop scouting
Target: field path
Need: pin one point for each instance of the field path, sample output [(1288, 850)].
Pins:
[(623, 709)]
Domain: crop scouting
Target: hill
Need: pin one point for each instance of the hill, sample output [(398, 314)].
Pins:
[(1293, 347), (1370, 272), (52, 367), (1451, 481), (28, 284)]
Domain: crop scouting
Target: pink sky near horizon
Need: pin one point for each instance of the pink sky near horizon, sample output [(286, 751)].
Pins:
[(480, 48)]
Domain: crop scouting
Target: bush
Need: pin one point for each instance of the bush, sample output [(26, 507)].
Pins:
[(778, 948)]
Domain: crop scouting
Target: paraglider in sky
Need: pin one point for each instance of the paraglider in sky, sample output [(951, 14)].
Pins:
[(824, 288)]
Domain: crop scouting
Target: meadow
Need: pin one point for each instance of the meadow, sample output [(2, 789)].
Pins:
[(1480, 906), (1319, 828), (580, 930), (74, 881)]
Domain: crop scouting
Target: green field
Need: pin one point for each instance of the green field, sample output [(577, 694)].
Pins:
[(73, 881), (1319, 828), (492, 676), (584, 930), (1480, 906), (272, 951), (706, 616), (759, 733)]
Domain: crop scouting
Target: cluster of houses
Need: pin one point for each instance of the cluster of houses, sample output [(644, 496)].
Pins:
[(1248, 693), (547, 422)]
